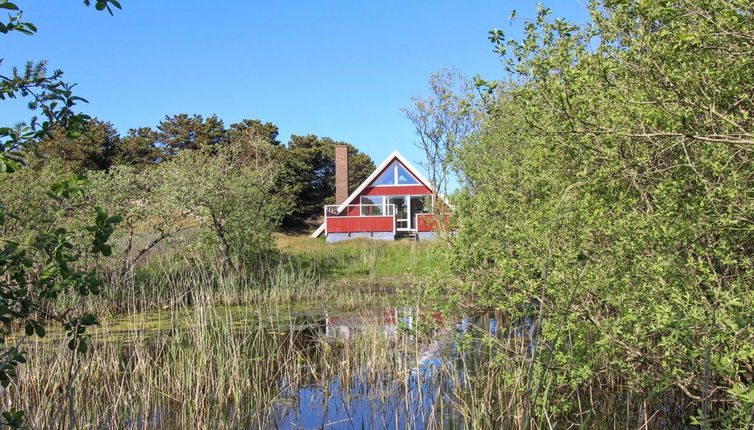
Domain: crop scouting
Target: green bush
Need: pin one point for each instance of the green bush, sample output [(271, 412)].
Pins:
[(612, 184)]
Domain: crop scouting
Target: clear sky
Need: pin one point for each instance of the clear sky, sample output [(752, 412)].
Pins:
[(341, 69)]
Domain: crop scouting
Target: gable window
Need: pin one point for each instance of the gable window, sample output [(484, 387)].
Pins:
[(387, 177), (402, 177), (395, 174)]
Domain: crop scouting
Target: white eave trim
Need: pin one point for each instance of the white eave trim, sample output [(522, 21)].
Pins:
[(317, 233)]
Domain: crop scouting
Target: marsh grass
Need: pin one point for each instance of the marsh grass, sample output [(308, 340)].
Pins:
[(299, 270), (187, 343), (209, 367)]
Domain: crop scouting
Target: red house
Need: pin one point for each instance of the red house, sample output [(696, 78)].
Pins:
[(396, 199)]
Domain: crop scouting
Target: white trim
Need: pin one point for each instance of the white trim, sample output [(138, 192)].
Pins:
[(364, 216), (318, 232), (407, 199)]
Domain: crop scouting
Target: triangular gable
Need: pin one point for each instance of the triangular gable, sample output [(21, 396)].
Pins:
[(395, 174), (394, 156)]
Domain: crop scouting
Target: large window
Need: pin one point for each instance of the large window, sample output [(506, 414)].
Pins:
[(395, 174), (387, 177), (403, 207)]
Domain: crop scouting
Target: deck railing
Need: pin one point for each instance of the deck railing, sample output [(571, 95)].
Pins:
[(360, 210), (360, 219)]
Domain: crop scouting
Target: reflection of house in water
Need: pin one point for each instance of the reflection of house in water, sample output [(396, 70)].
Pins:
[(346, 325), (385, 321), (514, 336)]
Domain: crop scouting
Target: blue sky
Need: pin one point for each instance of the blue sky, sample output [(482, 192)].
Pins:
[(341, 69)]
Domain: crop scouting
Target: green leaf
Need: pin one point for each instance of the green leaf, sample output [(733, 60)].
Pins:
[(29, 328)]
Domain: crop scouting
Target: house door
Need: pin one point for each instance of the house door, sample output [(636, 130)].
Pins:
[(401, 211), (418, 205)]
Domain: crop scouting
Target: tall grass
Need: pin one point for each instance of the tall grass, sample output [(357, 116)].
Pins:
[(357, 259), (209, 368), (187, 343), (302, 270)]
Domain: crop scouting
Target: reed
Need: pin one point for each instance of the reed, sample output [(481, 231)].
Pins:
[(184, 342), (211, 367)]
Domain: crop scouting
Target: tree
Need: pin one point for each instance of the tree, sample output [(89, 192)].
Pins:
[(310, 164), (139, 148), (443, 121), (267, 132), (238, 201), (37, 271), (179, 132), (611, 187), (93, 149), (149, 215)]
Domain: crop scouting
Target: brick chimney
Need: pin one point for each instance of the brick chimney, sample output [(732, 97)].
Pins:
[(341, 174)]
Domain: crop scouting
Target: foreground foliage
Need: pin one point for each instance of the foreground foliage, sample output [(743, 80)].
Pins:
[(40, 262), (609, 199)]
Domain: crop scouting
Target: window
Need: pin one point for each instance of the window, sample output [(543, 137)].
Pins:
[(403, 177), (387, 177), (395, 174)]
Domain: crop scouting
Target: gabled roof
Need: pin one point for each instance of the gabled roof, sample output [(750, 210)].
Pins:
[(395, 155)]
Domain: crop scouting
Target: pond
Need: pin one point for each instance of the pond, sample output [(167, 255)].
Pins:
[(304, 367), (270, 367), (418, 395)]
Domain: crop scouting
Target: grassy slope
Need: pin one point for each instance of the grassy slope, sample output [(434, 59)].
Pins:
[(362, 258)]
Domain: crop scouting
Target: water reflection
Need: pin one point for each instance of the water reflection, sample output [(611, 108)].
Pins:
[(415, 393), (422, 399)]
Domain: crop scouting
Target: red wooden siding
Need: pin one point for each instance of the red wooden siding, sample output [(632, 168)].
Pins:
[(351, 211), (427, 222), (359, 224), (395, 190)]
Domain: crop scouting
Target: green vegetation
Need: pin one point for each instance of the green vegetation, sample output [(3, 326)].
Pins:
[(306, 176), (608, 199), (604, 219), (215, 368), (39, 261), (364, 260), (184, 340)]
